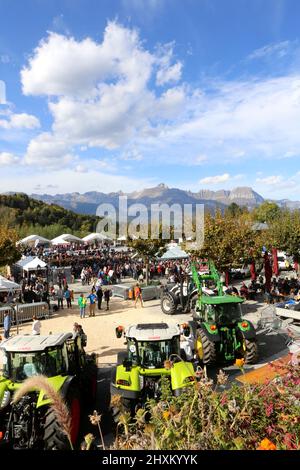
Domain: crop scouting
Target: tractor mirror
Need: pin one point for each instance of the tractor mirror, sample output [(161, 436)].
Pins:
[(127, 364), (119, 331)]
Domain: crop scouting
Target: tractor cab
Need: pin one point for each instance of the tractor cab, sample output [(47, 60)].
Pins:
[(150, 345)]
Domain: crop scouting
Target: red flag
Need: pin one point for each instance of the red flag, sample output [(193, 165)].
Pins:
[(275, 262), (268, 272), (253, 271)]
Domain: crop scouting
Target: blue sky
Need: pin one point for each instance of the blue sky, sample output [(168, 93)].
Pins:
[(120, 95)]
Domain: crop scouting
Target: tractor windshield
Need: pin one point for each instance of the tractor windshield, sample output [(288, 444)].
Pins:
[(152, 354), (227, 313), (21, 365)]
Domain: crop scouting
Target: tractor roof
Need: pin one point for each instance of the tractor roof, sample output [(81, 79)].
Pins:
[(152, 331), (221, 299), (27, 343)]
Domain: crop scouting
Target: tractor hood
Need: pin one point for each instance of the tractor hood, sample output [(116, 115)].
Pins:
[(221, 299), (7, 385)]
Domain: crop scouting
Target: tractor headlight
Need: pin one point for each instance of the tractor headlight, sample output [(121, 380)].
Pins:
[(123, 382), (189, 379), (141, 380), (6, 399)]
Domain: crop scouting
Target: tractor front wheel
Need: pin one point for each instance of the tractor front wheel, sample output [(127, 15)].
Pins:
[(168, 304), (206, 349), (251, 351)]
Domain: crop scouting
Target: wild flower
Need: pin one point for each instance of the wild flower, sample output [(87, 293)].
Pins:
[(266, 444)]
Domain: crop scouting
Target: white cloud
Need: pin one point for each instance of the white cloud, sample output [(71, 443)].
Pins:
[(102, 90), (280, 49), (131, 155), (20, 121), (270, 180), (81, 169), (47, 150), (166, 71), (215, 179), (7, 158)]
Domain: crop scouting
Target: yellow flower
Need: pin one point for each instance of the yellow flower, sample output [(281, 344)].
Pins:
[(266, 444), (166, 415), (240, 363)]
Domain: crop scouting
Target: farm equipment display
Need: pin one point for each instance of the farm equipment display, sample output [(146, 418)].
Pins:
[(153, 352), (221, 334), (179, 297), (31, 423)]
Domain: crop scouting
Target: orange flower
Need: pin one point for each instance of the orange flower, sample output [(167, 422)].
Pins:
[(266, 444), (240, 362), (166, 415)]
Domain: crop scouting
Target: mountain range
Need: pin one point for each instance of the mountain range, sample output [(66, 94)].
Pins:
[(88, 202)]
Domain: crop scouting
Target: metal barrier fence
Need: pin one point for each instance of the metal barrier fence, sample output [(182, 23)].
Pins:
[(148, 292), (25, 312), (20, 313)]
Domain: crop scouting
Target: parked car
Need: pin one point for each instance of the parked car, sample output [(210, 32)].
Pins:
[(284, 261), (240, 273)]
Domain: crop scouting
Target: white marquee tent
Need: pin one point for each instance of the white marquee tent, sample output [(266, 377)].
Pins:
[(66, 239), (95, 237), (33, 240), (7, 286), (31, 263), (174, 252)]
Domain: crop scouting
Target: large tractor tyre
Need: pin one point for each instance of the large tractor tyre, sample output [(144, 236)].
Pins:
[(168, 304), (205, 349), (91, 384), (54, 438), (193, 303), (251, 353)]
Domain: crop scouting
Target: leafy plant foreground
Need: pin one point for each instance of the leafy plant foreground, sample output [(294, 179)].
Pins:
[(248, 417)]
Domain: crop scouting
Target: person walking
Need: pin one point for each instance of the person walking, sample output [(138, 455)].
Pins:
[(138, 295), (36, 326), (6, 324), (82, 305), (107, 297), (67, 295), (99, 297), (60, 297), (92, 298)]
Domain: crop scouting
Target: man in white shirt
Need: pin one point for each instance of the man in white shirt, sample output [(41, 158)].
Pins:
[(36, 326)]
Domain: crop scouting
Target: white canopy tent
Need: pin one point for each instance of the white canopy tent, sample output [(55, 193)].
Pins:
[(31, 263), (33, 240), (7, 286), (95, 237), (174, 252), (65, 239)]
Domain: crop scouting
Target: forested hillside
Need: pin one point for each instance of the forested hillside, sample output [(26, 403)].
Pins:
[(28, 216)]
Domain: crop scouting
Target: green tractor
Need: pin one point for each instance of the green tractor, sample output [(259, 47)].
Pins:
[(31, 423), (221, 334), (153, 352)]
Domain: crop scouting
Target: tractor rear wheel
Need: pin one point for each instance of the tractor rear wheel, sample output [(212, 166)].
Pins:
[(206, 349), (54, 438), (168, 304), (251, 351)]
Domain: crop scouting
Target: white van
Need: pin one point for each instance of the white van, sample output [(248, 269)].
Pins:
[(284, 262)]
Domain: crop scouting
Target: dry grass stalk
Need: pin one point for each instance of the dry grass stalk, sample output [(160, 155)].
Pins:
[(40, 382)]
